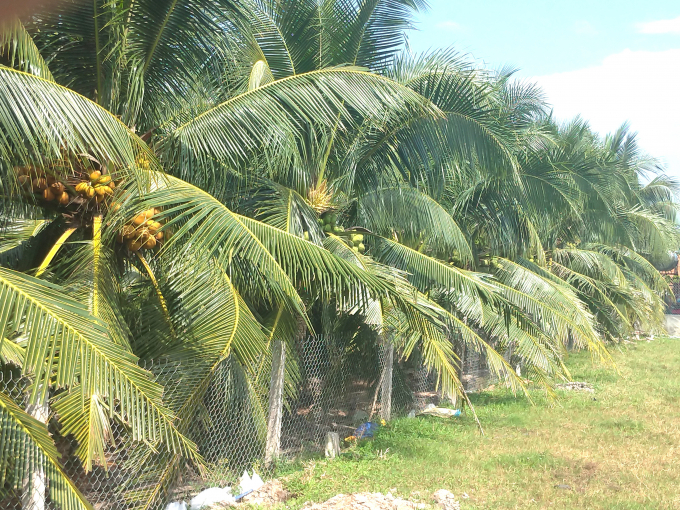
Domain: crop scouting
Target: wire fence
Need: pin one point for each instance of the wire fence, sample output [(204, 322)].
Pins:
[(245, 421)]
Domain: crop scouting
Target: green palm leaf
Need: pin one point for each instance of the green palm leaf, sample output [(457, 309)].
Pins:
[(274, 115), (415, 218), (25, 445), (61, 332), (17, 44)]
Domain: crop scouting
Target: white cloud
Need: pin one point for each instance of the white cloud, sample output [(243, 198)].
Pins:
[(449, 25), (636, 86), (662, 26)]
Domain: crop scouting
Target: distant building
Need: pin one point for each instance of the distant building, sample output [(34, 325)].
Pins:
[(671, 272)]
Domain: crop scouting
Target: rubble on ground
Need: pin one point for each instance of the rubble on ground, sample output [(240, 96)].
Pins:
[(576, 386), (270, 494), (446, 500), (378, 501), (273, 493)]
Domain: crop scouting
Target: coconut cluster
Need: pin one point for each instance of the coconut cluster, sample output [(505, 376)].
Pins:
[(96, 186), (329, 225), (143, 232), (357, 243), (37, 181)]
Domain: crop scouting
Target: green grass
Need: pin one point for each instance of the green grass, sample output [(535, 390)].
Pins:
[(616, 449)]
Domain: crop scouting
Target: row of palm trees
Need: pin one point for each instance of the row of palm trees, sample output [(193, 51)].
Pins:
[(295, 161)]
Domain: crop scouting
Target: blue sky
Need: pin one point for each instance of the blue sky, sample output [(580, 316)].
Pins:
[(608, 61)]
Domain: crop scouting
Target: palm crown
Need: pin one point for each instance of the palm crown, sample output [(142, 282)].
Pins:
[(220, 169)]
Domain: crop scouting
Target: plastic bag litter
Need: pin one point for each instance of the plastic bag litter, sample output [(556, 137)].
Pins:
[(211, 496), (366, 430), (245, 482), (256, 481), (248, 484), (441, 412)]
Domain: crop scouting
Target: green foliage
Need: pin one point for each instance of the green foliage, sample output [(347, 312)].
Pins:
[(297, 160)]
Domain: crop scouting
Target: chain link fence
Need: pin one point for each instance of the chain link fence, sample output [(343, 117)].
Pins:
[(246, 420)]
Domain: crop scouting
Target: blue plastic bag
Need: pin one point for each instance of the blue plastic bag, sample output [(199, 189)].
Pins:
[(366, 430)]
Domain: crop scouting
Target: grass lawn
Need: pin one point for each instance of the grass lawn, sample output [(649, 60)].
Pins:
[(616, 449)]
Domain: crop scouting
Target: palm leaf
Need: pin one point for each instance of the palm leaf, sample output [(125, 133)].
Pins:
[(415, 218), (60, 330), (19, 47), (274, 115), (25, 445)]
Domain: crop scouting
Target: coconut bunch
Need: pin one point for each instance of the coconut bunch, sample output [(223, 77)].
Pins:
[(37, 181), (328, 223), (96, 186), (143, 232), (356, 242)]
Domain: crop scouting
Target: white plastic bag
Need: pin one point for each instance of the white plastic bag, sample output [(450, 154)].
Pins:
[(256, 482), (245, 483), (211, 496)]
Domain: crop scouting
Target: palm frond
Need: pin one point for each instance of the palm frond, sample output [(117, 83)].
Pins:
[(552, 304), (415, 219), (40, 119), (275, 115), (12, 353), (89, 424), (61, 332), (20, 49), (26, 446)]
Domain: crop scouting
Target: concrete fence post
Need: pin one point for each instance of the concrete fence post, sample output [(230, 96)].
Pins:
[(386, 390), (273, 445)]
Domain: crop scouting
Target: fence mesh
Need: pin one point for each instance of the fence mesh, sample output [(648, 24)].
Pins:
[(328, 385)]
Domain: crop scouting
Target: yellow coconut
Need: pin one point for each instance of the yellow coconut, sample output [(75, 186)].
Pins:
[(57, 188), (129, 232), (134, 245), (153, 226)]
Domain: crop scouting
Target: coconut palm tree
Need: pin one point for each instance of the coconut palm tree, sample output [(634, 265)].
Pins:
[(194, 180), (74, 170)]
